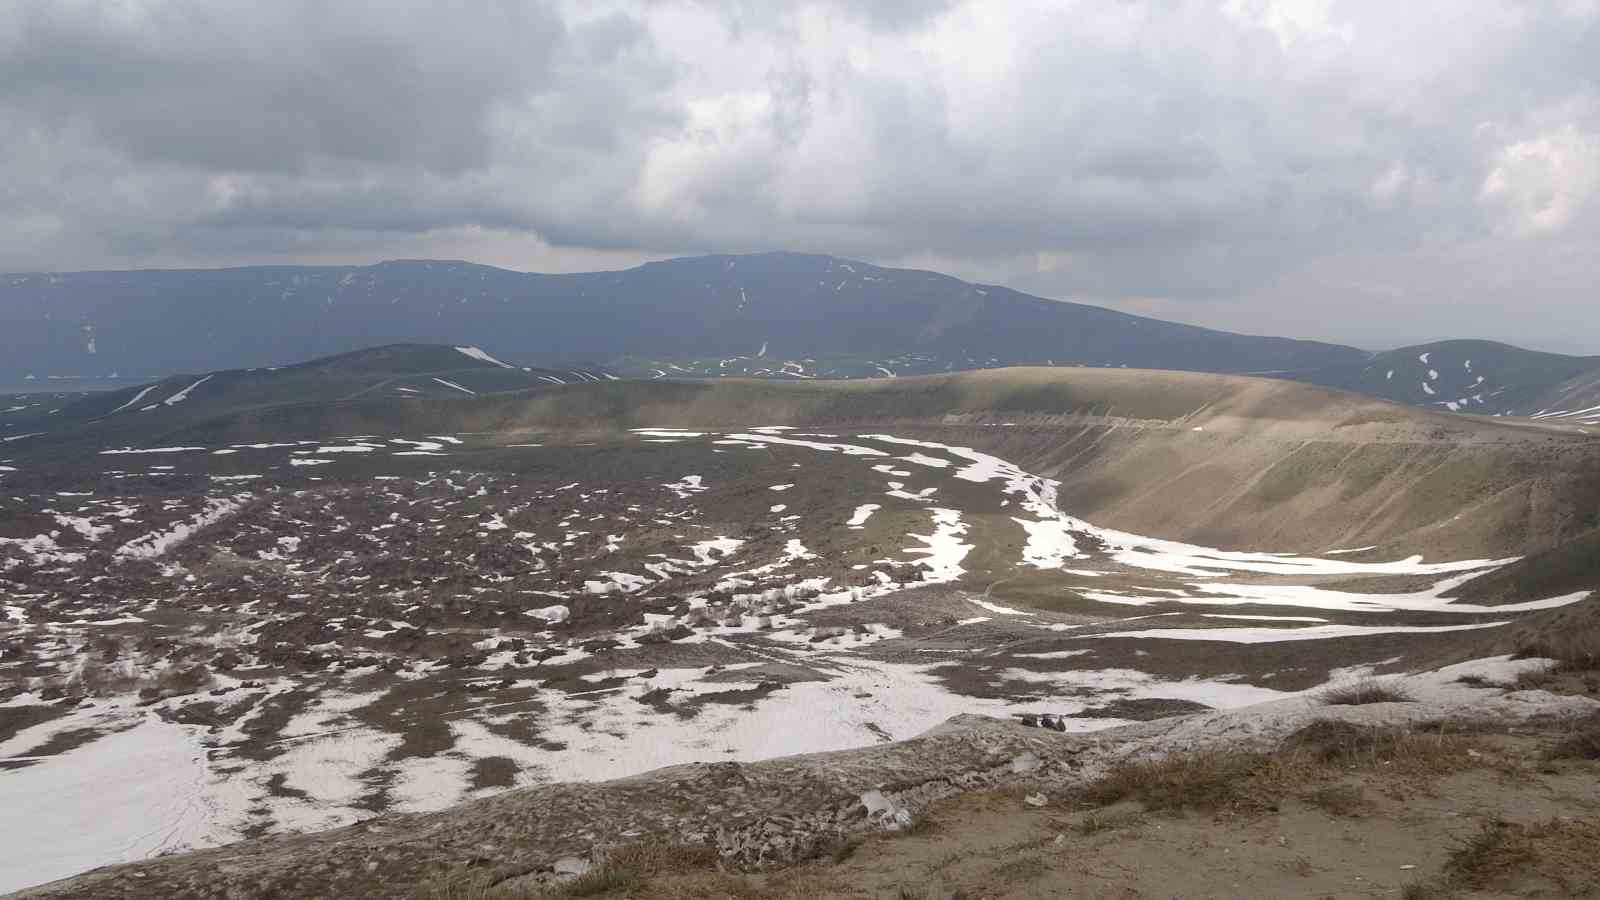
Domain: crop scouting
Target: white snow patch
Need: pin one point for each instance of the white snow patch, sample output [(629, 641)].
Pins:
[(1050, 543), (847, 449), (1276, 635), (136, 398), (553, 614), (1263, 618), (477, 354), (152, 545), (1310, 597), (183, 395), (687, 486), (452, 384), (617, 582), (862, 513), (997, 608), (123, 797), (1054, 654), (667, 433), (943, 550)]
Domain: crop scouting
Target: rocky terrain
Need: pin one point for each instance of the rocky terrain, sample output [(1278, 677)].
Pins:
[(288, 609)]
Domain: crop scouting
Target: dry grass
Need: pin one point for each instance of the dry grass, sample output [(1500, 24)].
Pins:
[(1488, 855), (1233, 781), (1554, 856), (1344, 800), (1582, 743), (1573, 666), (1426, 890), (1021, 870), (1207, 781), (1096, 823), (1092, 825), (1502, 854), (1367, 690), (924, 825), (1424, 751), (630, 867), (663, 858), (456, 885), (598, 881), (1573, 650)]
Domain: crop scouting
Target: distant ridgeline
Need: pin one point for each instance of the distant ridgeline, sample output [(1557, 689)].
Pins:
[(775, 315), (401, 372)]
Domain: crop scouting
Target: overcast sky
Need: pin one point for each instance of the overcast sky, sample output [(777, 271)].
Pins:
[(1367, 171)]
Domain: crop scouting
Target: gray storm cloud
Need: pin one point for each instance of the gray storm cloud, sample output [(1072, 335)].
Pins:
[(1360, 171)]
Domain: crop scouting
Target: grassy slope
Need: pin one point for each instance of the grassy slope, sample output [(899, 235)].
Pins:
[(1571, 567), (1051, 396), (1224, 460)]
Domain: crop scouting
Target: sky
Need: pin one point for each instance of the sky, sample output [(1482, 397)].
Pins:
[(1363, 171)]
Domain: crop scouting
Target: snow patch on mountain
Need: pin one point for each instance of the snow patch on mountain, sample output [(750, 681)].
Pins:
[(478, 354)]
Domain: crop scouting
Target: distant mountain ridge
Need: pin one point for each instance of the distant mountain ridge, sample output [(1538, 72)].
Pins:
[(795, 306), (399, 373), (1484, 377), (777, 315)]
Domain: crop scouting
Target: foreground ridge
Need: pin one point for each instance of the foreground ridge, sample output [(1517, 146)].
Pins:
[(775, 812)]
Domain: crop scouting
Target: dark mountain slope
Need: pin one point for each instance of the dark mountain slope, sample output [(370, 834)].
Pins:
[(777, 315), (1461, 376), (775, 307), (1575, 401), (400, 373)]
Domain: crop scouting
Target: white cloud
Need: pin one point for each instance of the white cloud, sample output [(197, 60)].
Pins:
[(1191, 156), (1541, 185)]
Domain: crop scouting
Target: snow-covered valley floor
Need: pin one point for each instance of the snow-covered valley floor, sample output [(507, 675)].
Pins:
[(201, 644)]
